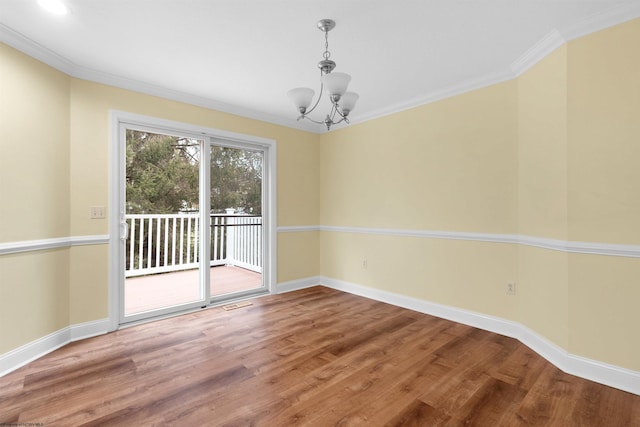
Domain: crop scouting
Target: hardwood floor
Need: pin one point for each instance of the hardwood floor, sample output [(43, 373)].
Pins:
[(315, 357)]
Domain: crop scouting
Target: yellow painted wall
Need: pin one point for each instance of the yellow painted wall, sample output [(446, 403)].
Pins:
[(88, 283), (579, 180), (542, 148), (448, 166), (34, 147), (553, 154), (34, 296), (543, 293), (603, 309), (426, 168), (603, 135), (543, 285), (34, 197), (462, 274), (603, 86), (298, 255)]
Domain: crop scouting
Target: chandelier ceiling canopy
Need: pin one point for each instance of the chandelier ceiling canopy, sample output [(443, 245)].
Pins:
[(334, 84)]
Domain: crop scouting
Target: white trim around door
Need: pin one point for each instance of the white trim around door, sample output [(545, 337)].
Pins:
[(118, 121)]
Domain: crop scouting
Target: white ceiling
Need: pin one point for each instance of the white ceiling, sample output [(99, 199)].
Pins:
[(242, 56)]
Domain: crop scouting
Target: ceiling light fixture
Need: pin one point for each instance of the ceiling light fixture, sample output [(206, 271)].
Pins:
[(335, 84), (54, 6)]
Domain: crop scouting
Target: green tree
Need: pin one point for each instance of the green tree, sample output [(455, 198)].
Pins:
[(162, 176), (236, 180), (161, 172)]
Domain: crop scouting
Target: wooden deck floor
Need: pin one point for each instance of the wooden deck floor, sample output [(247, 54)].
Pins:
[(146, 293), (315, 357)]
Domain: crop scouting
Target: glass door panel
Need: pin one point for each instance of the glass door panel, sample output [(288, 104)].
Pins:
[(164, 222), (236, 200)]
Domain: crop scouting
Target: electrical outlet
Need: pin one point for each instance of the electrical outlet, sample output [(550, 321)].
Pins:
[(511, 288), (365, 263)]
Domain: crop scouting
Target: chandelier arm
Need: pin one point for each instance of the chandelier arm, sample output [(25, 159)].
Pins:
[(345, 117), (311, 120), (334, 111), (317, 102), (338, 110), (342, 119)]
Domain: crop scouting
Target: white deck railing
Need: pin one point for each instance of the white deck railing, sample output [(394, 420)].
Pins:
[(162, 243)]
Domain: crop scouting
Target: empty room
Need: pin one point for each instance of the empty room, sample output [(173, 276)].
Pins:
[(320, 213)]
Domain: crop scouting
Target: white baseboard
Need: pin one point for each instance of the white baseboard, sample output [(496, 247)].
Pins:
[(31, 351), (593, 370), (295, 285), (89, 329)]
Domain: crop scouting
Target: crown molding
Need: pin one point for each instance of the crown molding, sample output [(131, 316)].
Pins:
[(588, 25), (448, 92), (555, 38), (536, 53), (37, 51), (541, 49), (599, 21), (187, 98), (31, 48)]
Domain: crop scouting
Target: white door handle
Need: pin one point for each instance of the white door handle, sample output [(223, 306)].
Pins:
[(124, 231)]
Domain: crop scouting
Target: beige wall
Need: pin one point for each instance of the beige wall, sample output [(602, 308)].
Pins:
[(447, 166), (542, 148), (34, 160), (34, 296), (34, 197), (553, 154), (426, 168), (603, 128), (462, 274), (543, 281)]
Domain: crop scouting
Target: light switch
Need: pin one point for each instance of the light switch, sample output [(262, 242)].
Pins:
[(97, 212)]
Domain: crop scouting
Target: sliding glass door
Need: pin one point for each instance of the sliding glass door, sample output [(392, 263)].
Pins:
[(236, 200), (194, 218), (163, 263)]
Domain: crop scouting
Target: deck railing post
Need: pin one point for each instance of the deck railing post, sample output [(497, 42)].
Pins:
[(230, 253), (160, 243)]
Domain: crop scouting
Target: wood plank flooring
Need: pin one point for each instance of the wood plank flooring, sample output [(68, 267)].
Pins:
[(315, 357)]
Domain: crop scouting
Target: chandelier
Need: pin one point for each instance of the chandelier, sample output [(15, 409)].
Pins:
[(335, 85)]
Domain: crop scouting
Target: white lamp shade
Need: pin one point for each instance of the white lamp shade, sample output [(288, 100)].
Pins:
[(348, 101), (336, 83), (301, 97)]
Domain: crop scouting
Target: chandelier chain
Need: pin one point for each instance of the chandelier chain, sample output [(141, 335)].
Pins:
[(326, 53)]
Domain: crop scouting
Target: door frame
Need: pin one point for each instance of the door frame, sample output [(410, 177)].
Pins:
[(120, 119)]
